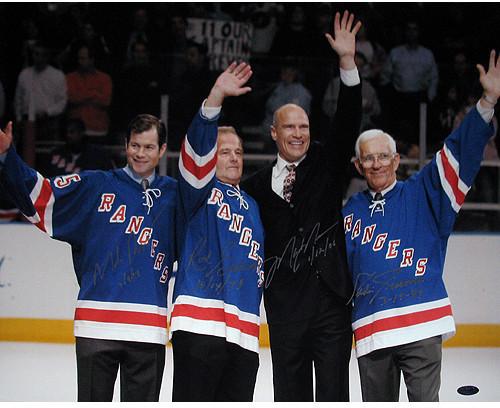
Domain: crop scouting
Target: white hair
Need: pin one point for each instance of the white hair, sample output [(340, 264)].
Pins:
[(371, 134)]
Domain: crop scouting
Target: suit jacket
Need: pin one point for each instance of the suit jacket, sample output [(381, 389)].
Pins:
[(304, 239)]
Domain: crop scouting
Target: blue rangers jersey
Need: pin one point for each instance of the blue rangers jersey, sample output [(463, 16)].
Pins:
[(218, 284), (396, 247), (122, 242)]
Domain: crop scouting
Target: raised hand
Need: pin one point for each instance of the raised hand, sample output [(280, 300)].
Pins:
[(490, 80), (230, 83), (6, 138), (344, 42)]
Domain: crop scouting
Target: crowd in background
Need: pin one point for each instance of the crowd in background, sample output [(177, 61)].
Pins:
[(74, 74)]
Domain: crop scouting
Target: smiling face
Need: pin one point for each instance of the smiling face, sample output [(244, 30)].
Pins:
[(377, 162), (290, 131), (143, 152), (229, 166)]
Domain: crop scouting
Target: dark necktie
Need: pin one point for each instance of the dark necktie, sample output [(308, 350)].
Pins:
[(378, 197), (145, 184), (288, 182)]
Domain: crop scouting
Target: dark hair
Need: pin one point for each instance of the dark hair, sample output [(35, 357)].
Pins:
[(75, 123), (90, 50), (201, 47), (144, 122)]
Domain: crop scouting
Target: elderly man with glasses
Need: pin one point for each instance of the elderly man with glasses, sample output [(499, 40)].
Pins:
[(396, 235)]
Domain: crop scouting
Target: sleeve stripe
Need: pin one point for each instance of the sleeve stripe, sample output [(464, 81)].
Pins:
[(196, 175), (200, 161), (42, 198), (456, 168), (450, 181), (191, 179)]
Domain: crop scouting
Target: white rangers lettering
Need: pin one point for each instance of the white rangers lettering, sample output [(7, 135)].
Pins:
[(119, 215), (236, 223), (407, 257), (348, 223), (134, 225), (379, 241), (154, 244), (356, 230), (253, 251), (421, 267), (391, 249), (107, 200), (159, 261), (368, 234), (216, 197), (246, 236), (224, 212), (65, 181), (164, 275), (145, 236)]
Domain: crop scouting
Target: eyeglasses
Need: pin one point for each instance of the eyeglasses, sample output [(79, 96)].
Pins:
[(383, 158)]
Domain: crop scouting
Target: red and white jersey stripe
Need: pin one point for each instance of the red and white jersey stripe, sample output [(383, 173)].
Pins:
[(216, 318), (449, 173), (42, 198), (403, 325), (121, 321), (195, 169)]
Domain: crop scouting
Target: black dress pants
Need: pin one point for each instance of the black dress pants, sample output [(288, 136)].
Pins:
[(141, 369), (324, 342), (208, 368)]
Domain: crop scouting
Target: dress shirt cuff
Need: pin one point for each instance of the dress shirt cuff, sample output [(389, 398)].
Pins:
[(210, 112), (350, 77), (486, 113)]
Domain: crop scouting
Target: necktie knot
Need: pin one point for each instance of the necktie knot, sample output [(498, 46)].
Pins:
[(378, 197), (288, 182), (145, 184)]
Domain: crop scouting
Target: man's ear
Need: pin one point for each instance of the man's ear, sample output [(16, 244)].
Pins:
[(163, 149), (358, 166), (396, 161), (273, 133)]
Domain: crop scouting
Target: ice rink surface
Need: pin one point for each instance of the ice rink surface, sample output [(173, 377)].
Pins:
[(47, 372)]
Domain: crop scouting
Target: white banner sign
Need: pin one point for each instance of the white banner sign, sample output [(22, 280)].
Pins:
[(226, 41)]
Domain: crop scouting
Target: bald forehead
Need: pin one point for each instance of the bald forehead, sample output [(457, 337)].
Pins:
[(288, 111)]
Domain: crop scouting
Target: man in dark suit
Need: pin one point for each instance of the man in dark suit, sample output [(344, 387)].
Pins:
[(308, 287)]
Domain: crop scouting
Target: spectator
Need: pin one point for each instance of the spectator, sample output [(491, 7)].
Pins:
[(288, 90), (461, 77), (140, 30), (76, 154), (263, 17), (374, 53), (89, 95), (412, 73), (291, 39), (87, 36), (30, 36), (39, 100), (176, 45), (137, 87), (371, 105), (187, 90)]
